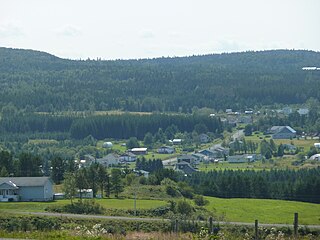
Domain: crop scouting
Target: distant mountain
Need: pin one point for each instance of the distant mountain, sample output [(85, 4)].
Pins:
[(42, 82)]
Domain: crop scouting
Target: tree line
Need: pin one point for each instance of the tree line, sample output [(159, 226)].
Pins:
[(299, 185), (122, 126)]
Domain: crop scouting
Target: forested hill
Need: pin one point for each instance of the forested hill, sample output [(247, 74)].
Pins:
[(42, 82)]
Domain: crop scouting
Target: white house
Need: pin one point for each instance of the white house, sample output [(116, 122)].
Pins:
[(139, 151), (109, 160), (26, 189)]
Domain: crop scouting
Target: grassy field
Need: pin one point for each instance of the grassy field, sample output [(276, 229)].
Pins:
[(236, 210), (107, 203), (266, 211), (301, 142), (276, 163)]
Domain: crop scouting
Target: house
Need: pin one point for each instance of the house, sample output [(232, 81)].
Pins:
[(26, 189), (303, 111), (166, 150), (128, 157), (200, 157), (109, 160), (187, 158), (204, 138), (139, 151), (282, 132), (245, 158), (176, 141), (316, 145), (208, 153), (228, 110), (85, 193), (219, 151), (142, 173), (184, 167), (315, 157)]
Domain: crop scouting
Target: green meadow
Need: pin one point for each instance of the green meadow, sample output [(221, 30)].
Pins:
[(265, 210), (233, 210)]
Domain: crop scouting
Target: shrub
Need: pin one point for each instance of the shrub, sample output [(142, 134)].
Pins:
[(184, 208), (199, 200), (80, 207)]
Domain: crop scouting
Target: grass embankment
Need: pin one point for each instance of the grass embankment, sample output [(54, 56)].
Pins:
[(106, 203), (265, 210)]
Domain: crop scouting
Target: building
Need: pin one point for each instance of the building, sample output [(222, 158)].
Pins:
[(282, 132), (26, 189), (200, 157), (245, 158), (166, 150), (176, 141), (187, 158), (184, 167), (127, 157), (204, 138), (139, 151), (303, 111), (109, 160)]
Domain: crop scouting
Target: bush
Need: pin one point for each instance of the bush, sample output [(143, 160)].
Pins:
[(184, 208), (80, 207), (199, 200)]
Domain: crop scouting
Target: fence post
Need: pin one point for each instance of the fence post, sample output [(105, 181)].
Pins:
[(295, 225), (256, 233), (210, 225), (176, 228)]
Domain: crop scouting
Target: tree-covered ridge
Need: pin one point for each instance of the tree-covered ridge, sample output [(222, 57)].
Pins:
[(42, 82)]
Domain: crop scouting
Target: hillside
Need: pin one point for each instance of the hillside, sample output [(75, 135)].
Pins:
[(42, 82)]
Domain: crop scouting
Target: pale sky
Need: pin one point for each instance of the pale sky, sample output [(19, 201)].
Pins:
[(123, 29)]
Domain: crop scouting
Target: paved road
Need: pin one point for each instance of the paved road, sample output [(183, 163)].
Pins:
[(155, 219), (238, 135)]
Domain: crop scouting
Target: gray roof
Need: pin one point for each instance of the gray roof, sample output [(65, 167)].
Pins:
[(277, 129), (26, 181)]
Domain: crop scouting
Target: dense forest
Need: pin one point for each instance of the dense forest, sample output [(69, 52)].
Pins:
[(301, 185), (121, 126), (37, 81)]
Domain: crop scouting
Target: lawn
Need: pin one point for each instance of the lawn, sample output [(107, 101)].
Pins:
[(265, 210), (107, 203)]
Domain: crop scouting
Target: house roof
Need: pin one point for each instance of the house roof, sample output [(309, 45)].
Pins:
[(109, 157), (186, 156), (277, 129), (139, 149), (26, 181)]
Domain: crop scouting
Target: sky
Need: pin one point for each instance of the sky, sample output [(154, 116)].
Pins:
[(132, 29)]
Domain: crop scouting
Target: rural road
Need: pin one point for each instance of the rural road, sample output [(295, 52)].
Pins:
[(68, 215), (238, 135)]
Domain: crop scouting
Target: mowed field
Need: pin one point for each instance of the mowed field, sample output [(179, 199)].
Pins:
[(265, 210), (233, 210)]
